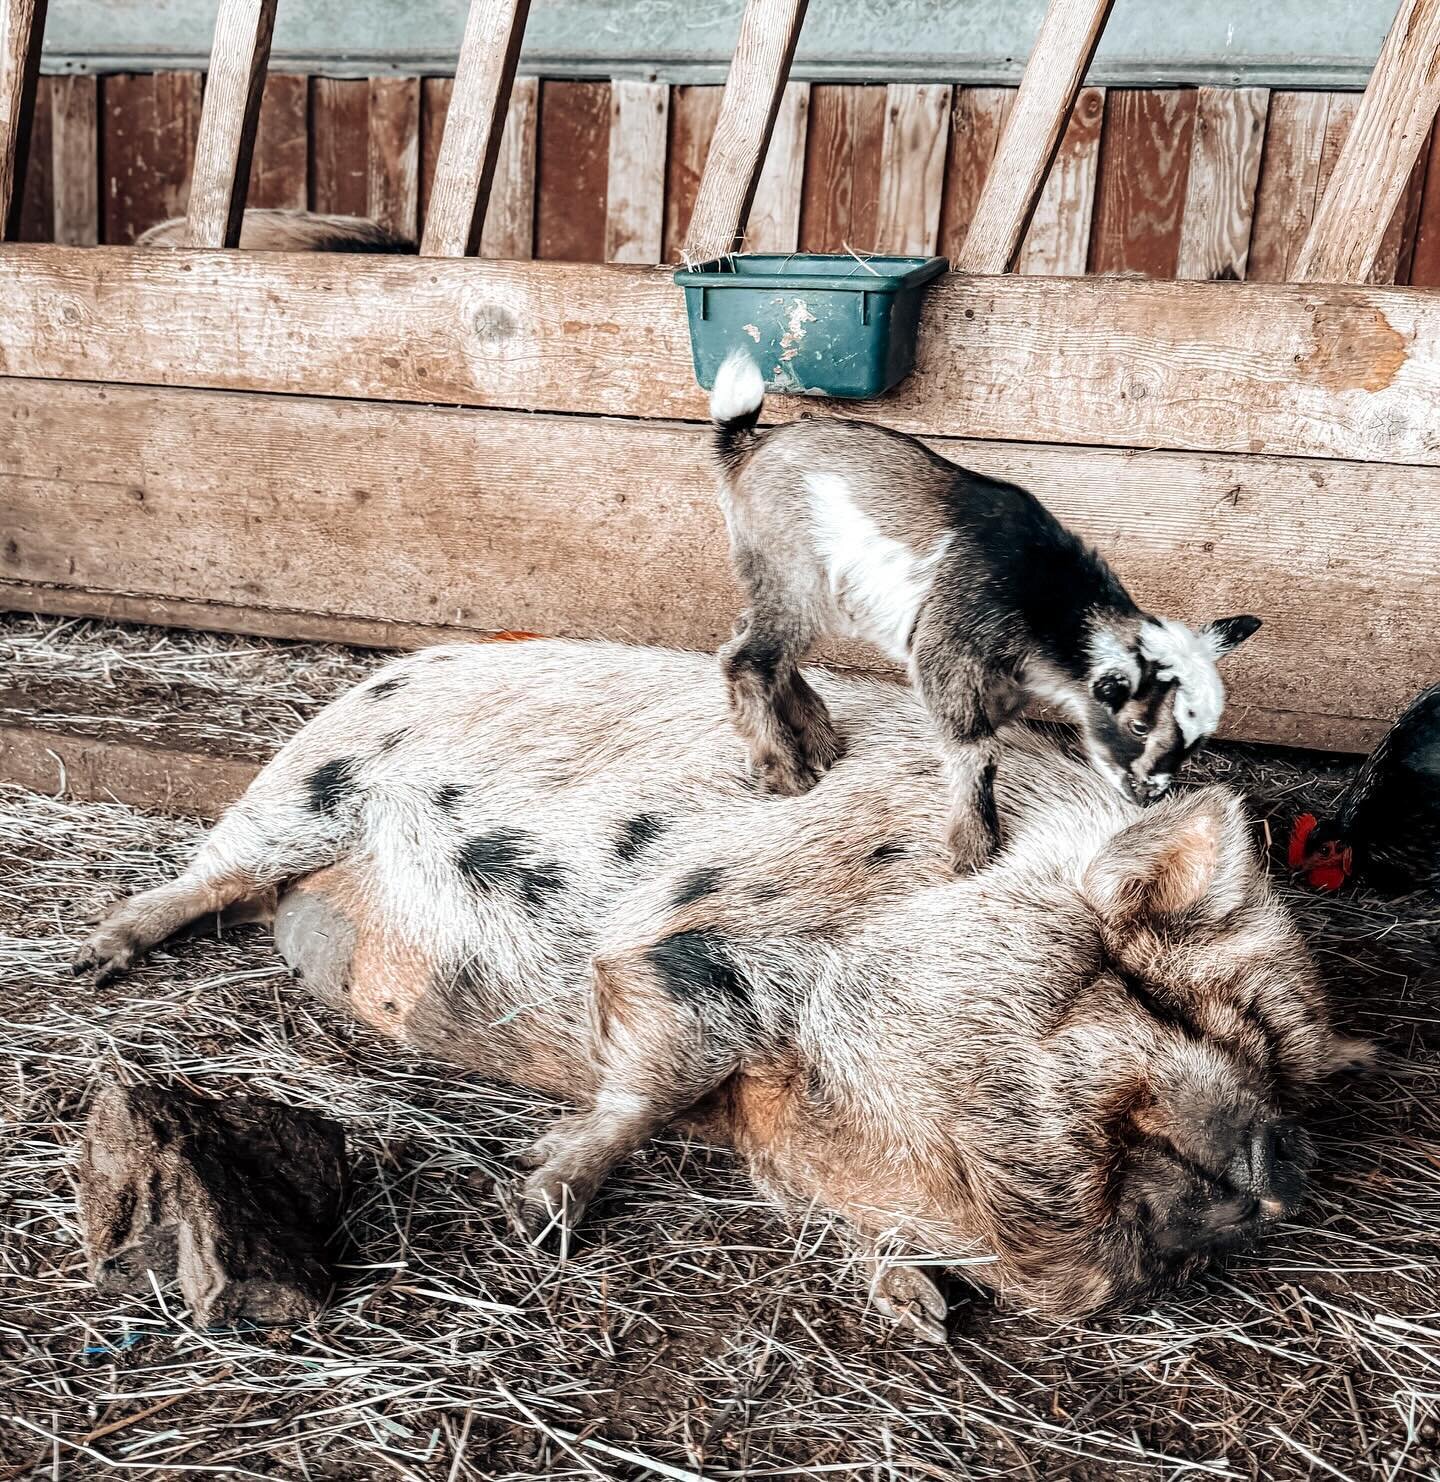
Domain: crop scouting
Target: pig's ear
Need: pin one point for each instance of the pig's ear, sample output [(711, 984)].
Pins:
[(1186, 854)]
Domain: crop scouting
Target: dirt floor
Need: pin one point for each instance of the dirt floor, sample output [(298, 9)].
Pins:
[(689, 1334)]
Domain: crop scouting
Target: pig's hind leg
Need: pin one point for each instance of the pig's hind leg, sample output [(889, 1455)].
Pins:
[(671, 1024)]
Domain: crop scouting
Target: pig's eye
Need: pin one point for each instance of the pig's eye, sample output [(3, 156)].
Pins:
[(1139, 728)]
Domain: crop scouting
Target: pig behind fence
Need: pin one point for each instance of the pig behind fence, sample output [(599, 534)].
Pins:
[(546, 862)]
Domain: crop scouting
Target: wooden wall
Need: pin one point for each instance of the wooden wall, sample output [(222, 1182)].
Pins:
[(1193, 183)]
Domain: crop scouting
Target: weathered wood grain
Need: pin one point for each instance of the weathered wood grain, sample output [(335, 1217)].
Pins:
[(1425, 261), (339, 145), (22, 28), (1287, 188), (1350, 372), (73, 124), (839, 209), (37, 195), (1140, 197), (572, 172), (754, 84), (1397, 246), (297, 505), (280, 165), (392, 193), (473, 125), (693, 113), (509, 229), (1390, 127), (1058, 61), (774, 221), (239, 56), (1220, 194), (912, 167), (1057, 242), (975, 128), (635, 181), (434, 106), (147, 145)]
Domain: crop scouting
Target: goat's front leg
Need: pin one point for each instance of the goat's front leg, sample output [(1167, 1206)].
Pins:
[(666, 1036)]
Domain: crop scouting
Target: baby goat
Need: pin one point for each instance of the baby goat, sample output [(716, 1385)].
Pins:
[(845, 529)]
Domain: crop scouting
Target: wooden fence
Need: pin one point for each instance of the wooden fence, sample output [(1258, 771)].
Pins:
[(1191, 183)]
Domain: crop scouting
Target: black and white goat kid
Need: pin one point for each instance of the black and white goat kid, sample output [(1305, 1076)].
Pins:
[(840, 529)]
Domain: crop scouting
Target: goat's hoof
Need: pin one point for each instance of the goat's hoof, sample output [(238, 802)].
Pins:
[(549, 1208), (911, 1298), (107, 952)]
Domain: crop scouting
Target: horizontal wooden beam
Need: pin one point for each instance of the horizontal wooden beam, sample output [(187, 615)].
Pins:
[(1332, 372), (295, 515)]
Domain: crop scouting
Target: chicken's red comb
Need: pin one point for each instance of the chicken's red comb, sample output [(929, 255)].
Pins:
[(1305, 825), (1328, 868)]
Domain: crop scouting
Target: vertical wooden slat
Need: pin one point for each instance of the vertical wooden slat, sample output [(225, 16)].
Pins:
[(976, 124), (693, 114), (635, 186), (574, 156), (1392, 261), (434, 107), (74, 137), (37, 198), (1391, 126), (840, 207), (392, 190), (147, 146), (1058, 241), (238, 58), (1220, 193), (774, 221), (759, 69), (1144, 162), (1058, 61), (339, 145), (279, 167), (509, 230), (912, 167), (1289, 175), (1425, 263), (22, 28), (476, 118)]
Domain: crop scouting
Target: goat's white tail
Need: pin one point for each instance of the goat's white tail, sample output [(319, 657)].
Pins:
[(735, 406)]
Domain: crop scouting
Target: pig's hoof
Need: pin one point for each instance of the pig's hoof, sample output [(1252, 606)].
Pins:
[(109, 950), (550, 1207), (912, 1298)]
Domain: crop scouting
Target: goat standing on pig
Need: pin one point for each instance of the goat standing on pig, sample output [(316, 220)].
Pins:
[(546, 862), (844, 529)]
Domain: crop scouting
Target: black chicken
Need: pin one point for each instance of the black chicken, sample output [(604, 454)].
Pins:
[(1386, 825)]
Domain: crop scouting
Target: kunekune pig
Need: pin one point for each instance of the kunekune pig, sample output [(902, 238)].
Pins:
[(548, 862), (841, 528)]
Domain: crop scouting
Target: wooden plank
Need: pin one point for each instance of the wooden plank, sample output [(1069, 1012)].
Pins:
[(693, 114), (1224, 171), (774, 221), (339, 146), (1057, 244), (1058, 62), (758, 72), (1397, 246), (1390, 127), (912, 167), (280, 165), (179, 495), (635, 179), (231, 111), (509, 229), (572, 175), (840, 207), (975, 129), (1351, 372), (37, 199), (393, 163), (475, 121), (147, 146), (1286, 191), (1425, 261), (1140, 196), (22, 28), (434, 106), (74, 135)]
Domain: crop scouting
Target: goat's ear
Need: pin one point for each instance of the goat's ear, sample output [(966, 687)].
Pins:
[(1186, 854), (1111, 689), (1228, 633)]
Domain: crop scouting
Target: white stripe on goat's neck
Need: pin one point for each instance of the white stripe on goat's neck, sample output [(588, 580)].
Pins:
[(1181, 654), (877, 583), (1111, 654)]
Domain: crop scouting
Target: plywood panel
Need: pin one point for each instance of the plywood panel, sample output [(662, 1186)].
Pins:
[(1144, 167), (840, 206), (147, 149), (279, 169), (693, 112), (300, 506), (1058, 242), (976, 124), (339, 145), (574, 158)]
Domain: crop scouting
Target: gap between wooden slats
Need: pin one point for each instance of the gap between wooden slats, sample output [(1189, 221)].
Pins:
[(912, 168), (1058, 240), (635, 180)]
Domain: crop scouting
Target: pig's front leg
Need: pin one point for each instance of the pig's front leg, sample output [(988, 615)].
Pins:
[(671, 1024)]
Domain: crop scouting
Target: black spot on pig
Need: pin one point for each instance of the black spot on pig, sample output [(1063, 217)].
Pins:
[(693, 968), (328, 786), (696, 886), (386, 687), (637, 835), (498, 861), (447, 797)]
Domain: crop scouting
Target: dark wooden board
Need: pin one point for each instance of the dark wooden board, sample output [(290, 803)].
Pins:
[(148, 124), (280, 166), (37, 201), (572, 170), (339, 145), (840, 204), (693, 111)]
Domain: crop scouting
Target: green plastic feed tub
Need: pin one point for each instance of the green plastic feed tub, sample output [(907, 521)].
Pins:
[(818, 324)]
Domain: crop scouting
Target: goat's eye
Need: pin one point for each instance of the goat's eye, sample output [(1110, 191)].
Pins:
[(1139, 728)]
